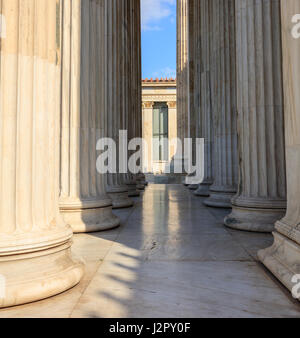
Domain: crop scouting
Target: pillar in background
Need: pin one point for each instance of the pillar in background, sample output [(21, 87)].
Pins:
[(84, 203), (148, 134), (115, 186), (182, 73), (283, 258), (193, 83), (204, 92), (135, 76), (224, 105), (125, 93), (261, 197), (141, 179), (172, 124), (35, 256), (130, 179)]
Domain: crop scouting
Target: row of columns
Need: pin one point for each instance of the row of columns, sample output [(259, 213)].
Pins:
[(70, 75), (245, 83), (283, 258)]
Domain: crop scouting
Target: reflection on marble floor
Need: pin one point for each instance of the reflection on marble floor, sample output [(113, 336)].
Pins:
[(171, 257)]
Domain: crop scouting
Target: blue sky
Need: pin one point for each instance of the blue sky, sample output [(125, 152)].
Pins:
[(159, 38)]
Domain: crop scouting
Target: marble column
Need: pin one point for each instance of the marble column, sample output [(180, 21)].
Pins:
[(182, 75), (205, 125), (261, 197), (224, 105), (172, 127), (126, 179), (135, 118), (115, 188), (130, 179), (192, 86), (283, 258), (194, 78), (130, 8), (35, 243), (84, 203), (148, 134), (138, 33)]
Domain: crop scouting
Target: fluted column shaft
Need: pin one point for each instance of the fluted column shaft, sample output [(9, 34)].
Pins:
[(283, 258), (131, 181), (115, 188), (182, 74), (192, 78), (193, 84), (83, 200), (35, 257), (261, 197), (135, 102), (224, 105), (126, 179), (205, 125), (141, 179)]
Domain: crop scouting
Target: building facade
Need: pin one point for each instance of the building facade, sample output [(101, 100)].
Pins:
[(159, 111)]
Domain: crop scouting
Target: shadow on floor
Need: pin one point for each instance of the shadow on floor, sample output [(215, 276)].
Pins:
[(171, 257)]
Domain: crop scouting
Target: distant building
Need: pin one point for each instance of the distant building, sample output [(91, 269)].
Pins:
[(159, 123)]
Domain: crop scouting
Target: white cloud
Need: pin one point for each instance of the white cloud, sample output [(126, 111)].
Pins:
[(165, 72), (153, 11)]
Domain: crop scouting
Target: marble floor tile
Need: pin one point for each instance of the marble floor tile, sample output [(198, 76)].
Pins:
[(184, 289), (171, 257)]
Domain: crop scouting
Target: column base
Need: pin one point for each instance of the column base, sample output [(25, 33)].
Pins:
[(133, 192), (220, 199), (141, 181), (132, 188), (120, 200), (282, 259), (30, 277), (193, 186), (203, 190), (90, 220), (140, 187), (253, 219), (183, 179)]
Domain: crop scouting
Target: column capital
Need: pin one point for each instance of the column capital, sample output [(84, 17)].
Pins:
[(172, 104), (148, 104)]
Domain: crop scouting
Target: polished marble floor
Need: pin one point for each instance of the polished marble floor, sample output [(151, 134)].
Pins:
[(171, 257)]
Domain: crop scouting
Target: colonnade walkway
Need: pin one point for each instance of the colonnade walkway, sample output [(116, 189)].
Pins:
[(171, 257)]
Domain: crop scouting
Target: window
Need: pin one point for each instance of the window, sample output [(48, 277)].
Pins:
[(160, 132)]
